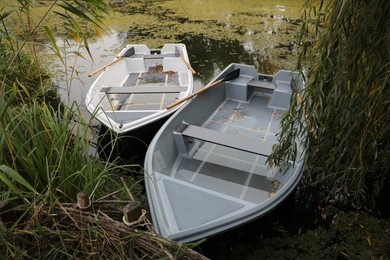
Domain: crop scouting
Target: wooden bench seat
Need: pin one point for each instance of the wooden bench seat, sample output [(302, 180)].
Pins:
[(221, 138), (142, 90)]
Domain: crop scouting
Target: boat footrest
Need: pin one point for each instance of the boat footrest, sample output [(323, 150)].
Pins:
[(220, 138), (141, 90)]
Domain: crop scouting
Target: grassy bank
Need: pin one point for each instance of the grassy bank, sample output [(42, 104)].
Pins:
[(45, 162)]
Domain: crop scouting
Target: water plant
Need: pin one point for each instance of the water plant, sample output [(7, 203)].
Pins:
[(343, 114)]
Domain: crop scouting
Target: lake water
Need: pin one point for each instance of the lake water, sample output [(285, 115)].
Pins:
[(216, 33)]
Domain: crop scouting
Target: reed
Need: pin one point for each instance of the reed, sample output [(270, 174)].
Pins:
[(45, 165), (343, 114), (45, 161)]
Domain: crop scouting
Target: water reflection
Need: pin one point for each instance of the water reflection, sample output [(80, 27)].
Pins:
[(73, 81), (215, 33), (209, 56)]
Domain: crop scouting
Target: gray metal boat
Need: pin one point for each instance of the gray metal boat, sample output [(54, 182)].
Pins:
[(206, 170)]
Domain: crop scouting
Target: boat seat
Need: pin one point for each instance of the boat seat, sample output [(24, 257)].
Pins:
[(153, 56), (221, 138), (141, 90), (160, 56), (261, 84)]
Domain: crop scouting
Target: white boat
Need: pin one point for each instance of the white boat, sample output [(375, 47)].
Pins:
[(134, 89), (206, 169)]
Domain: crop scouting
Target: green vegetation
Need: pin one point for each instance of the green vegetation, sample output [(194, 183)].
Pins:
[(344, 111), (45, 159), (341, 235)]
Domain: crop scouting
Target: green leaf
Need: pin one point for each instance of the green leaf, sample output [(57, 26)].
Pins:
[(5, 15), (6, 171), (54, 44)]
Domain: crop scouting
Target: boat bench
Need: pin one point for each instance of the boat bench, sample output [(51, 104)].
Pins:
[(220, 138), (261, 84), (153, 56), (141, 90), (280, 92), (160, 56), (243, 87)]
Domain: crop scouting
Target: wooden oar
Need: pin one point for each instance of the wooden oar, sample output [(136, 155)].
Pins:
[(177, 52), (187, 64), (128, 53), (232, 75)]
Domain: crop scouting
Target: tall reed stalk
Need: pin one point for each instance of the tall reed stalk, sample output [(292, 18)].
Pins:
[(38, 141), (343, 115), (44, 164), (45, 160)]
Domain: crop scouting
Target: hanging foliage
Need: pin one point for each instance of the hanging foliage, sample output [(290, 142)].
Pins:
[(343, 114)]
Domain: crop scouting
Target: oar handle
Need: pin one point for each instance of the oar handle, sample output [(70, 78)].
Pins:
[(105, 66), (188, 65), (193, 94)]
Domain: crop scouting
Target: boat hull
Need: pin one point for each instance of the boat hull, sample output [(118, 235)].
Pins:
[(134, 90), (206, 169)]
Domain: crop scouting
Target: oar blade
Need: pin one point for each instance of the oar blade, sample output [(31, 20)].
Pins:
[(232, 75), (129, 52)]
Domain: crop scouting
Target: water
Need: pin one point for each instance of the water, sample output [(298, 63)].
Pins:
[(216, 34)]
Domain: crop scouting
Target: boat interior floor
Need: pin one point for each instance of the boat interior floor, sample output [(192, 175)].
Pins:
[(240, 174), (131, 98)]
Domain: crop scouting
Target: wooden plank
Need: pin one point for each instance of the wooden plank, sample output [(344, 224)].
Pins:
[(225, 139), (142, 90)]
